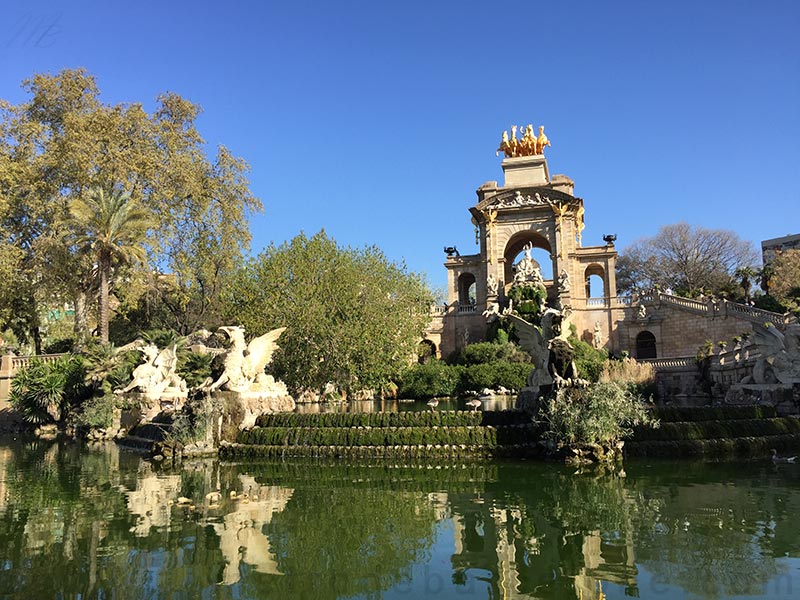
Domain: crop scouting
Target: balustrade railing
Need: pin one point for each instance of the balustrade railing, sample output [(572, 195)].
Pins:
[(680, 362)]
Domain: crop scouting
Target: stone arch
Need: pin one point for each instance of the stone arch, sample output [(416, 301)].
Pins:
[(467, 289), (646, 345), (426, 351), (515, 245), (595, 277)]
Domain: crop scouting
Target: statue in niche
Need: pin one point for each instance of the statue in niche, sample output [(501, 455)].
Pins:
[(491, 285), (156, 376), (597, 336), (563, 282)]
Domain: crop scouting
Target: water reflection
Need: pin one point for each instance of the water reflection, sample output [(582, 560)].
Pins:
[(103, 524)]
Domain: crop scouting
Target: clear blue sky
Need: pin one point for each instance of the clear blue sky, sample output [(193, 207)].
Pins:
[(378, 120)]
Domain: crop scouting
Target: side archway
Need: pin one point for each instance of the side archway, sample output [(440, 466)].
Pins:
[(467, 289), (595, 278), (426, 351), (646, 345)]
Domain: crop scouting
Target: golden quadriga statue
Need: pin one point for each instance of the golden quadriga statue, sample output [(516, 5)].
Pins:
[(528, 145)]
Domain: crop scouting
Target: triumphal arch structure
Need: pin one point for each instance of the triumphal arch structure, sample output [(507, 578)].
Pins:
[(531, 212)]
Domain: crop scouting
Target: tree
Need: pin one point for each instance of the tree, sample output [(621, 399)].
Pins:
[(691, 260), (784, 280), (110, 226), (354, 318), (64, 141)]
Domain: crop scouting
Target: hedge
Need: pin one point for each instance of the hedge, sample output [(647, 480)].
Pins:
[(388, 436), (703, 430), (712, 413), (439, 418)]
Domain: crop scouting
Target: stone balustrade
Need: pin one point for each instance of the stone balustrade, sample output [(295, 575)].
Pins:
[(680, 362)]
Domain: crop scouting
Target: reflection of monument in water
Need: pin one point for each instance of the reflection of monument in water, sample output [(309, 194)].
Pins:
[(524, 550), (241, 532)]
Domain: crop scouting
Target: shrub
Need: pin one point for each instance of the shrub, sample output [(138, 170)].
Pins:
[(589, 360), (431, 380), (603, 413), (488, 352), (194, 367), (60, 346), (97, 412), (493, 375), (639, 377), (44, 391)]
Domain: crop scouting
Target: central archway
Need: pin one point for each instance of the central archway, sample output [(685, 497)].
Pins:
[(517, 243)]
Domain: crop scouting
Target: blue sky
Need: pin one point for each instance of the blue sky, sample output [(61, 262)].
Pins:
[(378, 120)]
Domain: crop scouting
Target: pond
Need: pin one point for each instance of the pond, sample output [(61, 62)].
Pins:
[(102, 523)]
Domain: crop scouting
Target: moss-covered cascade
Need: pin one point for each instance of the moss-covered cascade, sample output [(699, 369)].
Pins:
[(717, 432), (430, 434)]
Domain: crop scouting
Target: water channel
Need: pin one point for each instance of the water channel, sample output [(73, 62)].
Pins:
[(79, 522)]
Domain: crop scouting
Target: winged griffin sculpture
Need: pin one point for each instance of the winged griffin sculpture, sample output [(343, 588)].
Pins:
[(245, 363), (779, 359)]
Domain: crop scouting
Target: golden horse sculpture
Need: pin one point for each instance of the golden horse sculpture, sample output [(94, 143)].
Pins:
[(528, 145)]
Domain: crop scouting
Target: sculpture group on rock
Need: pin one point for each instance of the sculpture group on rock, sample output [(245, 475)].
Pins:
[(243, 378)]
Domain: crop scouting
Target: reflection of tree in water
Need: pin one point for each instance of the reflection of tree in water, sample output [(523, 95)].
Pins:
[(345, 531)]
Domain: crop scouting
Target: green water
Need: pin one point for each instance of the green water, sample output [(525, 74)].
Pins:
[(80, 523)]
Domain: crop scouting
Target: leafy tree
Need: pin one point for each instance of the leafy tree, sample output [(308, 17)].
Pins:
[(63, 141), (784, 282), (354, 318), (110, 226), (688, 259)]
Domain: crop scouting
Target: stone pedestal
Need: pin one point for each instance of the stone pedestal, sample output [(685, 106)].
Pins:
[(526, 171), (784, 397)]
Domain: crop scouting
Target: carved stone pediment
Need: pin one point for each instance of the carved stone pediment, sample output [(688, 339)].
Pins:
[(530, 197)]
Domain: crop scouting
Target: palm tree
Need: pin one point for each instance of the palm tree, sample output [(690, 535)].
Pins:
[(746, 276), (111, 226)]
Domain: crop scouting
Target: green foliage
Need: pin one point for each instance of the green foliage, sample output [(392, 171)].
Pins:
[(492, 375), (432, 380), (712, 429), (194, 367), (770, 303), (589, 360), (704, 352), (60, 346), (96, 412), (44, 392), (387, 436), (486, 352), (603, 413), (528, 301), (63, 141), (354, 318)]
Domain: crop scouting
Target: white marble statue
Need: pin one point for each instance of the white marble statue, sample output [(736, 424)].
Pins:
[(563, 282), (779, 355), (527, 270), (597, 336), (491, 285), (245, 363), (642, 314), (156, 377)]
